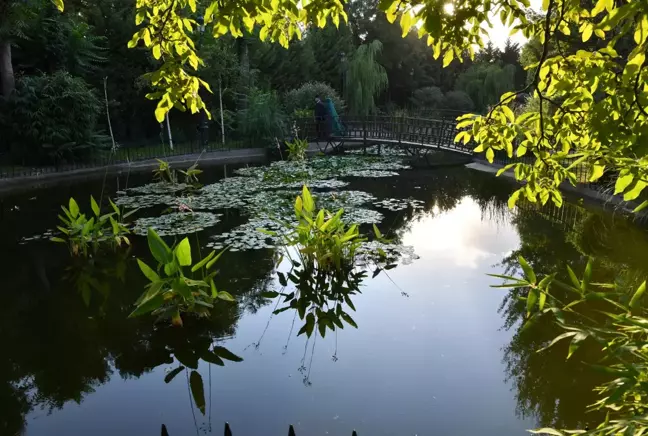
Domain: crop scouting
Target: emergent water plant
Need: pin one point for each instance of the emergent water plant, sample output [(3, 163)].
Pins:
[(85, 236), (171, 293), (165, 174), (324, 255)]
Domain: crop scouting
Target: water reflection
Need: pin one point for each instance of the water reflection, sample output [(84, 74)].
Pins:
[(555, 391), (57, 350)]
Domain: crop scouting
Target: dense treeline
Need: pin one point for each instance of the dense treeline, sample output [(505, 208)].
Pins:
[(68, 79)]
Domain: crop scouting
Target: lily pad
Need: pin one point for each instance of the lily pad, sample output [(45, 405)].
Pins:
[(176, 223)]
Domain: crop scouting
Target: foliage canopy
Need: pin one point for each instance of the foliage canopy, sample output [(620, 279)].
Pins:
[(597, 95)]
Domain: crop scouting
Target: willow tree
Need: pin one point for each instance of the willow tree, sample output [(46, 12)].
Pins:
[(365, 79)]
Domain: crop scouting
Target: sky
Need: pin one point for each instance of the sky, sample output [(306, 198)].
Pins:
[(499, 32)]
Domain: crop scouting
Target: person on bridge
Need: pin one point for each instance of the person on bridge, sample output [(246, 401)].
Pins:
[(321, 118), (335, 125)]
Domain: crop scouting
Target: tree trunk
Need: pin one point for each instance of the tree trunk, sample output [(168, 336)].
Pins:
[(220, 101), (7, 80), (168, 123)]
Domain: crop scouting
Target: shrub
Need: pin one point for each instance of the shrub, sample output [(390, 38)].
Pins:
[(50, 118), (303, 98), (459, 100), (430, 97), (263, 120)]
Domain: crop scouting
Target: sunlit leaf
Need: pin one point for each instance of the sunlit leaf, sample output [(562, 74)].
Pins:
[(183, 252)]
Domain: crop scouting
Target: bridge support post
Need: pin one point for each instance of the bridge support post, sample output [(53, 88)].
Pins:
[(364, 135)]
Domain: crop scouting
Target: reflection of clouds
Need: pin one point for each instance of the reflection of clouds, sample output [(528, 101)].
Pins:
[(460, 236)]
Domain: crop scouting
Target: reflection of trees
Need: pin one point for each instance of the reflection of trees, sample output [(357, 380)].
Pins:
[(441, 190), (555, 391), (56, 349)]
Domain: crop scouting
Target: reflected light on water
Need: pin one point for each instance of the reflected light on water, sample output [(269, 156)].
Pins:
[(460, 236)]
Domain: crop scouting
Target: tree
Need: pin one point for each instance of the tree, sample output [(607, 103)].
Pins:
[(429, 97), (365, 79), (607, 132), (13, 18)]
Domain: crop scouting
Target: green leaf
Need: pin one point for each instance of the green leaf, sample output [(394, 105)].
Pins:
[(148, 305), (159, 249), (94, 206), (623, 182), (575, 343), (532, 299), (73, 207), (59, 5), (226, 354), (160, 112), (637, 295), (490, 155), (528, 271), (541, 300), (558, 339), (226, 296), (197, 390), (203, 262), (574, 279), (183, 252), (215, 259), (597, 172), (171, 375), (641, 207), (587, 31), (57, 239), (514, 198), (309, 204), (635, 191), (587, 275), (148, 272), (547, 430), (448, 57)]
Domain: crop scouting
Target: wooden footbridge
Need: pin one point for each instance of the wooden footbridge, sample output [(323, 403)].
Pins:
[(414, 135)]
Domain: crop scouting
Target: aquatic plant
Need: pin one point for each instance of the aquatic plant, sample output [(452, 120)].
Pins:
[(172, 293), (84, 235), (323, 253), (165, 174), (297, 147), (191, 174)]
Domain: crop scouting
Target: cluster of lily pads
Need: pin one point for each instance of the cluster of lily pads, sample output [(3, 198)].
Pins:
[(176, 223), (266, 195), (383, 150), (397, 204)]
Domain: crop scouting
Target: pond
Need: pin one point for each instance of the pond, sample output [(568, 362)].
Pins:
[(436, 351)]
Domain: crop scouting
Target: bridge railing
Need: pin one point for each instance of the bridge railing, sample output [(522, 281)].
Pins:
[(406, 131)]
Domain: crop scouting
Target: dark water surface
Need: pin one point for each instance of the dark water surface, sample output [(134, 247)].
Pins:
[(437, 350)]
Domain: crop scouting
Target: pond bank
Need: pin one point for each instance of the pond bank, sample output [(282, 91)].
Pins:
[(205, 159), (590, 196), (244, 155)]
